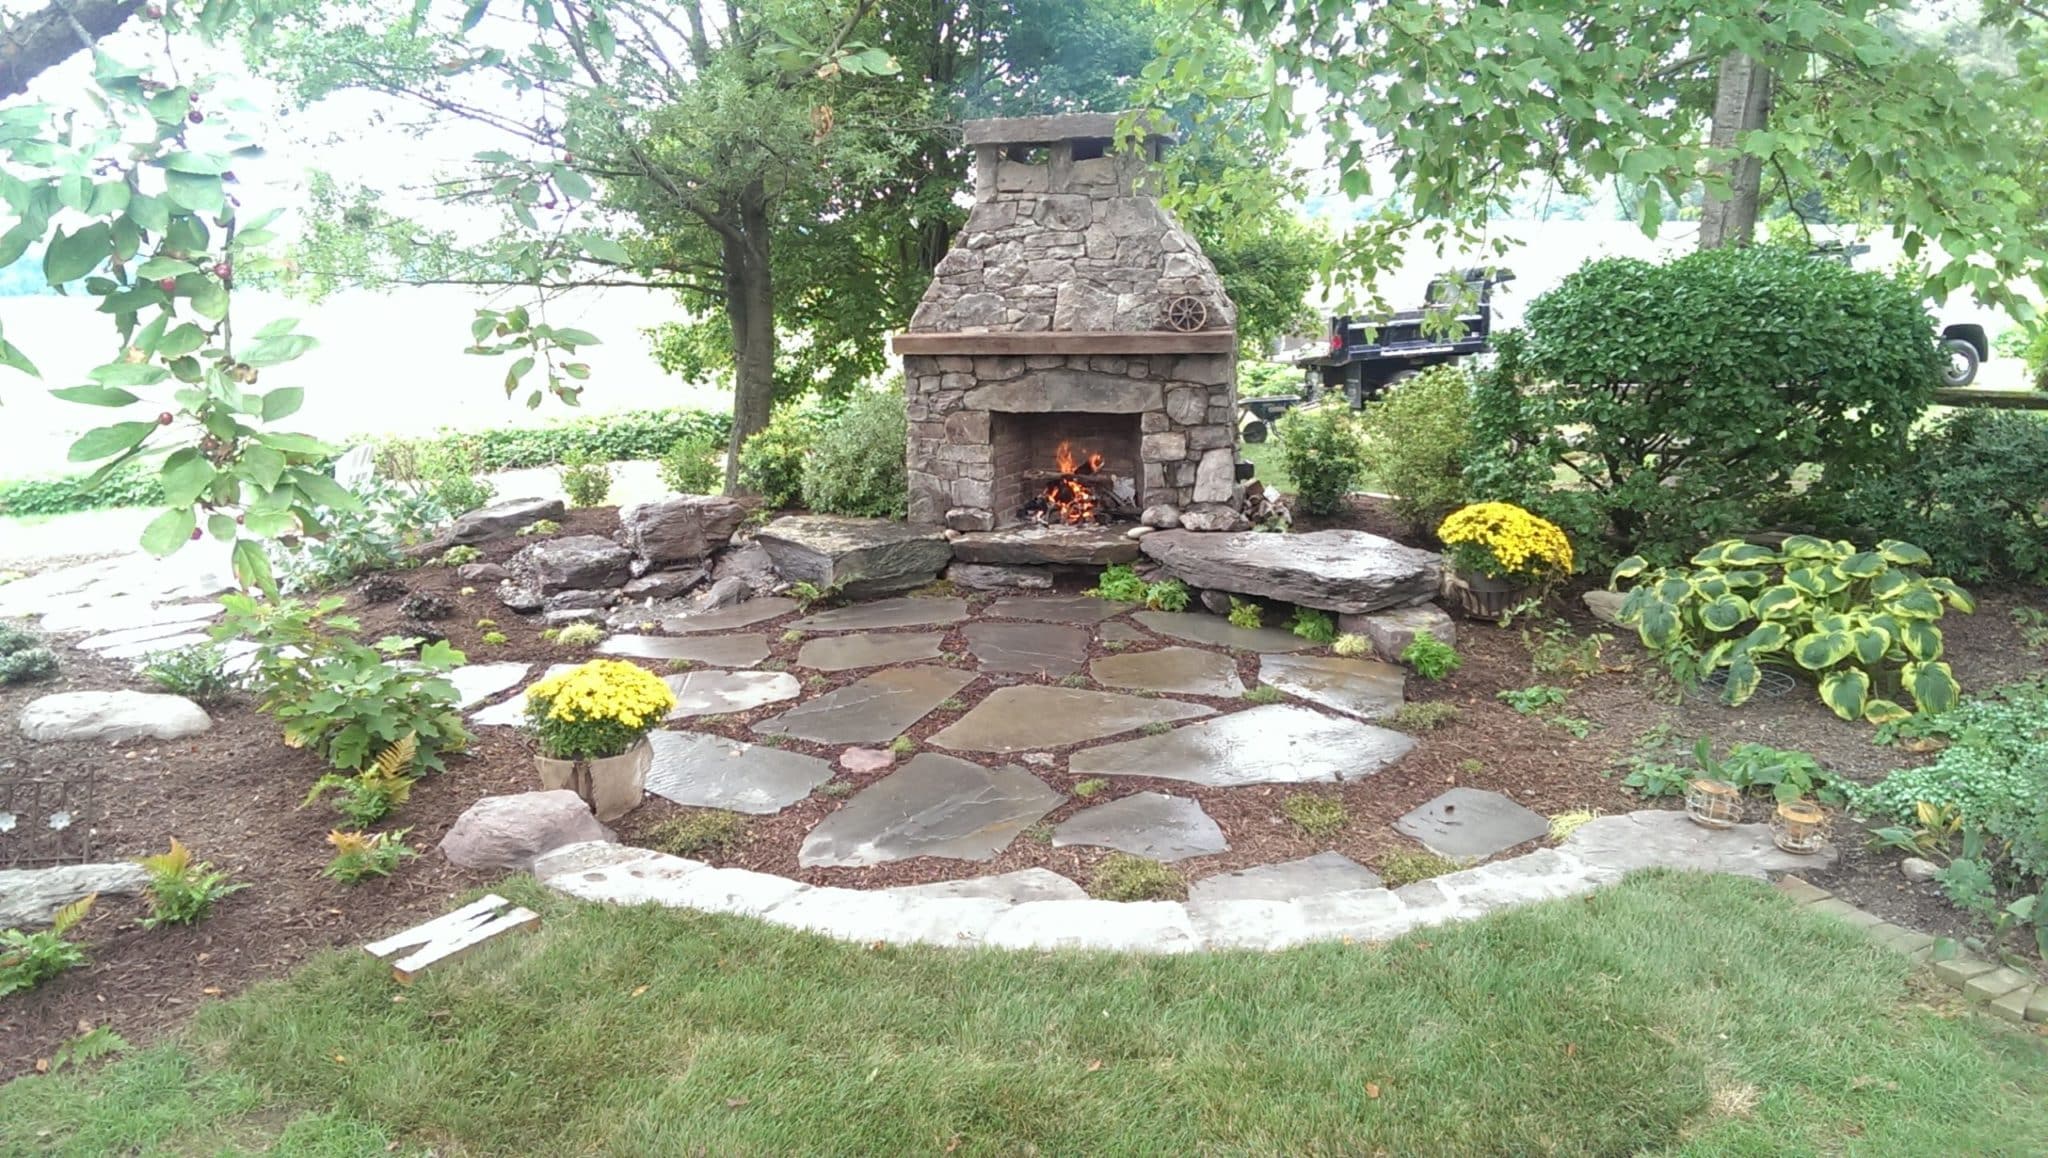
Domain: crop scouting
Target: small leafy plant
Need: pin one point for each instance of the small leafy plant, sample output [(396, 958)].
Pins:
[(1349, 645), (710, 831), (29, 959), (1315, 816), (1263, 694), (358, 856), (493, 639), (1425, 716), (196, 671), (540, 527), (1556, 650), (587, 483), (1123, 877), (1405, 868), (23, 658), (182, 890), (460, 554), (1312, 625), (1120, 584), (1538, 699), (1246, 614), (903, 745), (1167, 595), (584, 635), (376, 791), (1432, 658), (1093, 786), (808, 595)]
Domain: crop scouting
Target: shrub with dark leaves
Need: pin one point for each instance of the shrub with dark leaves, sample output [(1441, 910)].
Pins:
[(426, 606)]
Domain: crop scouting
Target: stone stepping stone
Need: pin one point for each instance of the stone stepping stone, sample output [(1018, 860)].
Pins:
[(714, 650), (511, 712), (477, 682), (933, 806), (1272, 744), (1466, 822), (1032, 884), (905, 611), (727, 618), (1148, 824), (871, 709), (149, 647), (1471, 822), (846, 652), (1121, 632), (1365, 688), (1345, 571), (704, 771), (1082, 609), (1325, 872), (125, 615), (121, 715), (1028, 716), (1031, 648), (1214, 630), (1187, 671), (718, 693), (149, 637)]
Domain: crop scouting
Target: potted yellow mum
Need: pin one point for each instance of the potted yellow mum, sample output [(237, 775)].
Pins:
[(1502, 555), (593, 723)]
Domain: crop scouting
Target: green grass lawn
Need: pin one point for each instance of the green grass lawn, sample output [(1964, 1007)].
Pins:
[(1668, 1015)]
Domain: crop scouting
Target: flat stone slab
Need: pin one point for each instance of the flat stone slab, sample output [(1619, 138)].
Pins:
[(1032, 884), (933, 806), (902, 612), (1017, 719), (871, 709), (1056, 609), (1272, 744), (1194, 627), (30, 897), (704, 771), (1652, 837), (713, 650), (1187, 671), (123, 615), (845, 652), (1343, 571), (717, 693), (1121, 632), (1365, 688), (860, 557), (1148, 824), (1325, 872), (745, 614), (1466, 822), (511, 713), (477, 682), (1074, 546), (120, 715), (1032, 648), (147, 639)]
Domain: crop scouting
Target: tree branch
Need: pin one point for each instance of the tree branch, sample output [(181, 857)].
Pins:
[(45, 39)]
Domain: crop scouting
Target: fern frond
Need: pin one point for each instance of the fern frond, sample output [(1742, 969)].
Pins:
[(168, 864), (398, 755), (68, 916)]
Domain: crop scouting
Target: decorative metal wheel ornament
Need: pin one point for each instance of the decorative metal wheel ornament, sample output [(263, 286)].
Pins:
[(1187, 314)]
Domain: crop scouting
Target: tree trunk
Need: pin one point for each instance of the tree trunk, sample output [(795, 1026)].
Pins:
[(1741, 103), (750, 307), (42, 40)]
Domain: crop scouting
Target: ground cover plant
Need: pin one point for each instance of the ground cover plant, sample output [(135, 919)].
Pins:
[(29, 959), (183, 890), (1432, 658), (196, 671), (23, 658)]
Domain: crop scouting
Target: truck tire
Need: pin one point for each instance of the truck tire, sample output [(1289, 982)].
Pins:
[(1958, 362)]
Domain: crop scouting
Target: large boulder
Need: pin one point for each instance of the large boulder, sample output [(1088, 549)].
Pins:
[(508, 832), (1349, 572), (119, 715), (575, 563), (500, 519), (860, 557), (685, 529), (30, 897)]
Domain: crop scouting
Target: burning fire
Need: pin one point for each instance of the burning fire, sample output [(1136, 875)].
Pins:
[(1068, 499), (1064, 456)]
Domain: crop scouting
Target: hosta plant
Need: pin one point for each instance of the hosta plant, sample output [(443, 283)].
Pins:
[(1860, 622)]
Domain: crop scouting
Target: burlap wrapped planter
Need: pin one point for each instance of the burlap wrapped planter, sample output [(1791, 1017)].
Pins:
[(611, 785)]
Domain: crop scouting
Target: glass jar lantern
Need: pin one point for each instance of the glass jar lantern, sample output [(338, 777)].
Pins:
[(1800, 826), (1713, 803)]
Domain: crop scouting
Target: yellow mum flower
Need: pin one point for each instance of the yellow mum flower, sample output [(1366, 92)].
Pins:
[(1515, 542)]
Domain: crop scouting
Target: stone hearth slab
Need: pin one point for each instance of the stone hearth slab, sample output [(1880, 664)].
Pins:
[(704, 771), (715, 650), (727, 618), (1187, 671), (1028, 716), (1074, 546), (716, 693), (1364, 688), (846, 652), (860, 557), (1195, 627), (933, 806), (870, 709), (1344, 571), (1148, 824), (903, 612), (1056, 609), (1466, 822), (1325, 872), (1273, 744), (1031, 648)]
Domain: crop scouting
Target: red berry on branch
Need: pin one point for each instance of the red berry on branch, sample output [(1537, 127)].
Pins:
[(196, 535), (154, 12), (195, 116), (164, 419), (167, 284), (238, 520), (222, 270)]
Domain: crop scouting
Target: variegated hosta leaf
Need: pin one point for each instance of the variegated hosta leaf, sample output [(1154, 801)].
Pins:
[(1932, 685), (1658, 625), (1832, 579), (1915, 603), (1809, 547), (1871, 643), (1957, 598), (1883, 711), (1628, 568), (1766, 638), (1822, 649), (1889, 583), (1717, 655), (1845, 692), (1747, 579), (1725, 613), (1674, 588), (1863, 565), (1902, 554), (1807, 581), (1922, 639), (1633, 603), (1780, 602), (1710, 583), (1743, 677)]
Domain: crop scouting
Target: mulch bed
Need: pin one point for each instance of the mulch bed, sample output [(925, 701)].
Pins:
[(233, 795)]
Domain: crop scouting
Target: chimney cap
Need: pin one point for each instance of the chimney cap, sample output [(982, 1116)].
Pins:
[(1065, 127)]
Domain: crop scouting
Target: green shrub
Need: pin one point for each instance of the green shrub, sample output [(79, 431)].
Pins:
[(1257, 378), (1432, 658), (584, 634), (772, 461), (198, 671), (1312, 625), (587, 482), (1119, 584), (370, 537), (700, 833), (691, 466), (1322, 450), (1415, 442), (447, 469), (1972, 489), (1167, 595), (1316, 816), (627, 435), (1425, 717), (1245, 613), (125, 486), (1123, 877), (182, 890), (23, 658), (857, 466), (29, 959)]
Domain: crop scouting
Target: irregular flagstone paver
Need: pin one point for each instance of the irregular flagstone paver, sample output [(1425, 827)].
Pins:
[(1325, 872), (727, 618), (871, 709), (1364, 688), (704, 771), (1188, 671), (903, 611), (1214, 630), (1466, 822), (1083, 609), (1121, 632), (1652, 837), (143, 635), (1028, 716), (1032, 884), (119, 715), (511, 712), (124, 615), (933, 806), (715, 650), (1272, 744), (1147, 824), (142, 648), (716, 693), (477, 682), (1031, 648), (845, 652)]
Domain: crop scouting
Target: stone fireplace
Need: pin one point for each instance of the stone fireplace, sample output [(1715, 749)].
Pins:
[(1075, 358)]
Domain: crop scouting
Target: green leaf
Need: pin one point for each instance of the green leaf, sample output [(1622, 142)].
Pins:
[(323, 491), (1783, 601), (181, 341), (210, 300), (1956, 596), (1871, 643), (572, 184), (1809, 547), (1658, 626), (513, 375), (295, 443), (1744, 676), (282, 403), (150, 213), (109, 440), (220, 527), (261, 465), (186, 475), (168, 531), (1764, 639), (603, 249), (95, 395), (197, 192), (1932, 685), (1807, 581), (1845, 692), (1878, 710), (128, 374), (566, 336), (157, 267), (1725, 613), (1918, 603), (208, 164), (272, 351), (1903, 554), (1889, 583), (1822, 649), (1863, 565), (10, 356), (252, 567), (72, 256), (1922, 639)]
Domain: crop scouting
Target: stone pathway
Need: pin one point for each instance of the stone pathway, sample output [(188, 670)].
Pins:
[(1187, 671), (901, 612), (1364, 688), (1214, 630), (720, 693), (871, 709), (711, 650), (1017, 719), (933, 806), (1027, 648), (1466, 822), (1148, 824), (1273, 744), (704, 771), (846, 652)]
